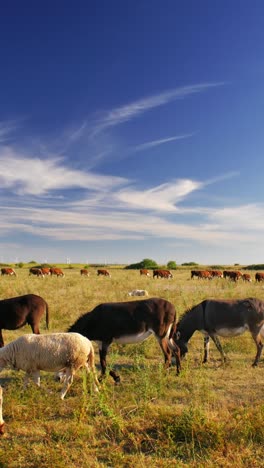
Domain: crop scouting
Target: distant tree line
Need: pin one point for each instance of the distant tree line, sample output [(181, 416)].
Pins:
[(259, 266), (149, 264)]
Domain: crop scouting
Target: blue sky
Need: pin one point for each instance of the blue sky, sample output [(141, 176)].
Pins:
[(132, 130)]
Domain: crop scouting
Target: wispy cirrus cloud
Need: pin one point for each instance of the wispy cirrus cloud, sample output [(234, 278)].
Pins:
[(162, 141), (130, 111), (78, 225), (6, 130)]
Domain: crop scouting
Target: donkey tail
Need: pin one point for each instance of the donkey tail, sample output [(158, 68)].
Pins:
[(47, 315)]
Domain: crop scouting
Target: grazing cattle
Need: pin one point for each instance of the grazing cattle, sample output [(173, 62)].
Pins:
[(205, 274), (259, 277), (103, 273), (201, 274), (8, 271), (54, 271), (246, 277), (19, 311), (54, 352), (195, 273), (129, 322), (2, 422), (162, 274), (138, 292), (233, 275), (225, 318), (45, 271), (36, 272), (216, 274), (144, 272), (84, 272)]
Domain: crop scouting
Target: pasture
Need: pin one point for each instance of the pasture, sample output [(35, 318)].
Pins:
[(211, 414)]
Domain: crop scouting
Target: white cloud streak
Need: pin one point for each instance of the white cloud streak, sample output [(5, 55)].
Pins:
[(162, 141), (6, 130), (128, 112), (162, 198), (36, 176)]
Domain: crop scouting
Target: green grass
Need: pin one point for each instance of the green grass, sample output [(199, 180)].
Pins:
[(209, 415)]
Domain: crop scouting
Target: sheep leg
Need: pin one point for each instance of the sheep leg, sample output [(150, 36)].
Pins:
[(35, 376), (90, 366), (95, 379), (68, 382)]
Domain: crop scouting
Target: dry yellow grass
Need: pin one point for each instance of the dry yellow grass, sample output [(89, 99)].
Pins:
[(210, 415)]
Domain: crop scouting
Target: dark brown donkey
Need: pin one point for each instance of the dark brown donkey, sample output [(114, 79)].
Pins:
[(223, 318), (129, 322), (18, 311)]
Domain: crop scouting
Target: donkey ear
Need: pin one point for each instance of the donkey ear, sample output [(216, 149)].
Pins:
[(178, 335)]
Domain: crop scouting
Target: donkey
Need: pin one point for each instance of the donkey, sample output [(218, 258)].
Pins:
[(224, 318), (17, 311), (129, 322)]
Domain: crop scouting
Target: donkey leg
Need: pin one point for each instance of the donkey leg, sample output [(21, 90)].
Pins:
[(163, 342), (219, 346), (206, 349), (259, 345), (34, 326), (1, 339), (102, 353)]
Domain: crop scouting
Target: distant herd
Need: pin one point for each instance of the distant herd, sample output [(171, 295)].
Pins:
[(233, 275)]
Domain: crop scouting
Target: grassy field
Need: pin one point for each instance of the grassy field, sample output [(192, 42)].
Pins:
[(211, 415)]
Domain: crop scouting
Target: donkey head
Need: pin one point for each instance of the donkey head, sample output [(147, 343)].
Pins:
[(178, 340)]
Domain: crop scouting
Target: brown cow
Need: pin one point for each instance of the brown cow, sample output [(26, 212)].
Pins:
[(162, 274), (246, 277), (217, 274), (194, 273), (103, 273), (36, 271), (259, 277), (18, 311), (45, 271), (8, 271), (201, 274), (144, 272), (84, 272), (234, 275), (54, 271), (205, 274)]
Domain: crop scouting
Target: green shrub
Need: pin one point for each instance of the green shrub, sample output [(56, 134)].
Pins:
[(190, 264), (145, 263)]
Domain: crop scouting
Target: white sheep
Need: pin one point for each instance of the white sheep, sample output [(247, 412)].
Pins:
[(51, 352), (138, 292)]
